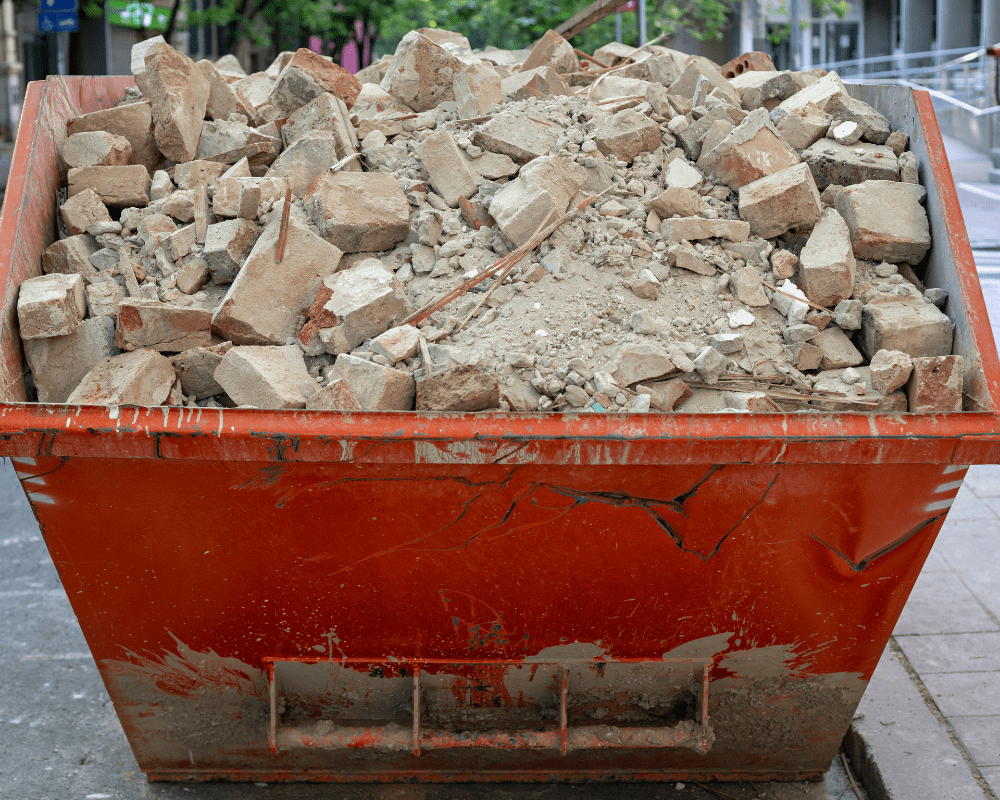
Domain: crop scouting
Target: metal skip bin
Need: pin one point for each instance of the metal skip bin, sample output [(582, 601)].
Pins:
[(446, 597)]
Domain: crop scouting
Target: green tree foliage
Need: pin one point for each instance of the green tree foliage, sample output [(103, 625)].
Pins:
[(506, 24)]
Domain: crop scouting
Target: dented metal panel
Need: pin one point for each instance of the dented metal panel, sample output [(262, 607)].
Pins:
[(445, 597)]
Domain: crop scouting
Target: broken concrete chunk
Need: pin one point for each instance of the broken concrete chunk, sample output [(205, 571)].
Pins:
[(907, 324), (133, 122), (96, 149), (115, 186), (325, 113), (552, 50), (422, 73), (103, 299), (710, 364), (227, 246), (141, 378), (640, 362), (477, 87), (752, 151), (782, 201), (83, 210), (935, 385), (449, 175), (359, 212), (178, 93), (681, 175), (898, 141), (890, 369), (374, 387), (365, 301), (309, 158), (900, 236), (59, 363), (908, 168), (193, 274), (228, 142), (748, 288), (827, 265), (179, 243), (678, 202), (196, 370), (265, 377), (466, 388), (71, 255), (838, 350), (693, 228), (254, 89), (700, 67), (335, 396), (198, 173), (873, 126), (538, 82), (763, 89), (803, 127), (152, 325), (50, 305), (222, 99), (226, 200), (820, 93), (268, 300), (308, 75), (544, 187), (790, 302), (397, 343), (646, 285), (832, 162), (513, 134)]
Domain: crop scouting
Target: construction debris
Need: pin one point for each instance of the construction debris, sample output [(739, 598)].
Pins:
[(460, 231)]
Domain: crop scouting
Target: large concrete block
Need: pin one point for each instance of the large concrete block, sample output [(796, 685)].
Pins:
[(268, 300), (359, 212), (266, 377), (752, 151), (826, 264), (59, 363), (782, 201), (905, 323), (886, 220)]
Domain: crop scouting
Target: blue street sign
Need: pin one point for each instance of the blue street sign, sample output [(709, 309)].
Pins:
[(58, 5), (49, 21)]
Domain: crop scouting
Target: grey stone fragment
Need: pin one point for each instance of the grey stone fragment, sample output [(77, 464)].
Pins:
[(831, 162), (710, 364), (58, 364), (847, 315)]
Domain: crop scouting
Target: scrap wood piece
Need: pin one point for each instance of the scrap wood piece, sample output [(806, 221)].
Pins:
[(590, 58), (514, 257), (283, 233), (582, 20)]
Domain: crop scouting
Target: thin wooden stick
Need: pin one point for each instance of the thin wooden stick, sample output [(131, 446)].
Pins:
[(621, 99), (774, 288), (500, 277), (590, 58), (716, 792), (515, 256), (283, 233), (850, 776)]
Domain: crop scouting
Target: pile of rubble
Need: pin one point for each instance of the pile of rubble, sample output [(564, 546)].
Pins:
[(457, 231)]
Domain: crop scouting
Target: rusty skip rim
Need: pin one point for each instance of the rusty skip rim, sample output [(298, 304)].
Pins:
[(499, 438), (34, 429)]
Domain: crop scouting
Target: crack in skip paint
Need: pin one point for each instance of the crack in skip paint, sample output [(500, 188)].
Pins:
[(653, 507), (867, 560)]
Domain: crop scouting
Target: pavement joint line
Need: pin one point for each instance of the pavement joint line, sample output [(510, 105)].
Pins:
[(897, 651)]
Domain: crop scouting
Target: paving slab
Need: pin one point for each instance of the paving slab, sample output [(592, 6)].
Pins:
[(901, 750), (981, 737), (952, 652), (966, 616)]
